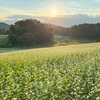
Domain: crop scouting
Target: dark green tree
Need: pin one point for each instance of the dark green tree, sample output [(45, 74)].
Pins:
[(2, 31), (84, 31), (41, 32), (13, 39), (27, 39)]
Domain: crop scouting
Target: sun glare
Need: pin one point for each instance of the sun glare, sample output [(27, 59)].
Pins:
[(53, 13)]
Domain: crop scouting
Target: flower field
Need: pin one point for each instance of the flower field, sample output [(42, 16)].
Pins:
[(55, 73)]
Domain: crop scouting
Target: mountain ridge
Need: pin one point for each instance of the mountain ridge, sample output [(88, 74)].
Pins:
[(64, 20), (4, 25)]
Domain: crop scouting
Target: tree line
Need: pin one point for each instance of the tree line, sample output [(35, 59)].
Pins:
[(84, 31), (32, 32)]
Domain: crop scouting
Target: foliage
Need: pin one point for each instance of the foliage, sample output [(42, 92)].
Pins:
[(3, 40), (41, 32), (27, 39), (84, 31), (2, 31), (57, 73), (13, 39), (60, 40), (98, 40)]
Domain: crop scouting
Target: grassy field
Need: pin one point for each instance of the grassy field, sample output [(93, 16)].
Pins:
[(3, 40), (56, 73), (65, 41)]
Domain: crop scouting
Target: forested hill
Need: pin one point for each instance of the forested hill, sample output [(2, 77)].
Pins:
[(4, 26), (84, 31)]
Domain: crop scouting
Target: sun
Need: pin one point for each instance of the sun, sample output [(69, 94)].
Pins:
[(54, 13)]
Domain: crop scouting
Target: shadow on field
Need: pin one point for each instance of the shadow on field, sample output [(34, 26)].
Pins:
[(12, 49), (5, 50)]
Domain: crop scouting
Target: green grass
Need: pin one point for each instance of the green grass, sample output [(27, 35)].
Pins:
[(3, 40), (64, 41), (56, 73), (69, 41)]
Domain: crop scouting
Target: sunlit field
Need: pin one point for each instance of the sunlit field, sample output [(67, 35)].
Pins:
[(56, 73)]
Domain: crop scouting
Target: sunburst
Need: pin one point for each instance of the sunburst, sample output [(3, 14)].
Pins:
[(54, 13)]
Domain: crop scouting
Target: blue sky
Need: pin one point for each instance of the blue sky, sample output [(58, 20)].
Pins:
[(9, 8)]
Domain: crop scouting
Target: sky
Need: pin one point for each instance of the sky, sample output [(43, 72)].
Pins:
[(10, 9)]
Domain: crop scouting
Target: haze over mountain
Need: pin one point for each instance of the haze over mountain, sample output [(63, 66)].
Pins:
[(4, 26), (66, 20), (60, 12)]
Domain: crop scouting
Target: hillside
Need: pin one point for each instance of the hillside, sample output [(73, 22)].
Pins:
[(4, 26), (56, 73), (3, 40)]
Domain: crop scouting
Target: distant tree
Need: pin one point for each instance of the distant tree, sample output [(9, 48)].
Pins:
[(84, 31)]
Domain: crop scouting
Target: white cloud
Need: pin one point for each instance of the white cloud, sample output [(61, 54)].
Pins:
[(97, 1), (12, 11), (93, 12), (3, 18), (85, 11)]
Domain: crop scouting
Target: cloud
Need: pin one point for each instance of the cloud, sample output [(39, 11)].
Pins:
[(3, 18), (93, 12), (65, 20), (70, 20), (12, 11), (85, 11), (97, 1)]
